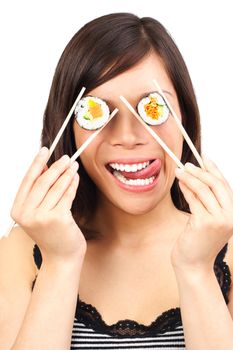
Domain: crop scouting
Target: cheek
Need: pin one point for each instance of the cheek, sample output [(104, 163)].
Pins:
[(89, 165), (173, 138), (80, 135), (170, 134), (88, 156)]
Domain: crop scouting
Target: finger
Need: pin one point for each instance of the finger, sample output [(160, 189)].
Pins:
[(222, 192), (59, 188), (201, 190), (35, 170), (196, 207), (46, 180), (45, 168), (68, 197)]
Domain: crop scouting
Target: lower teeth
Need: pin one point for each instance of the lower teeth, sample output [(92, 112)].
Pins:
[(135, 182)]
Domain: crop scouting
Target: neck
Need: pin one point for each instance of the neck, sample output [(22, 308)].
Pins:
[(120, 228)]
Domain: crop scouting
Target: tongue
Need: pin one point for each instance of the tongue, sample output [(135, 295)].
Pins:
[(149, 171)]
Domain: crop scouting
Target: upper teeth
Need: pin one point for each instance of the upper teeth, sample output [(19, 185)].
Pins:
[(129, 167)]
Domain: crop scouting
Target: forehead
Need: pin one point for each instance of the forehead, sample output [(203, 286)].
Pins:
[(134, 82)]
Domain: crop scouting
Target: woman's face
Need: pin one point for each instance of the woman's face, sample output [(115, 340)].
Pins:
[(124, 141)]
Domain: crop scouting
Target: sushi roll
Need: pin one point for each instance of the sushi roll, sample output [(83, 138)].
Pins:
[(91, 113), (153, 109)]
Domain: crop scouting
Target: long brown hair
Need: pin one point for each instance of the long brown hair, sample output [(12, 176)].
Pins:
[(99, 51)]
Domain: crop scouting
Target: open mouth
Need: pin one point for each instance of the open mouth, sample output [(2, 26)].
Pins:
[(136, 174)]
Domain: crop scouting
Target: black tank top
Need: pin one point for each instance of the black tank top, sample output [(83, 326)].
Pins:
[(166, 331)]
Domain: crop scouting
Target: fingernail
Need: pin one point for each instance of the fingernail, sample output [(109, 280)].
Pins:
[(74, 166), (189, 165), (179, 171), (43, 151), (65, 158)]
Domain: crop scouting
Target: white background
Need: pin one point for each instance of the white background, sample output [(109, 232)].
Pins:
[(33, 36)]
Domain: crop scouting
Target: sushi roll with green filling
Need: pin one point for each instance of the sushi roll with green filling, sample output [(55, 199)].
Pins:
[(91, 113), (153, 109)]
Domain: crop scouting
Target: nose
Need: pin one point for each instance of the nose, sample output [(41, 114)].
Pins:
[(126, 131)]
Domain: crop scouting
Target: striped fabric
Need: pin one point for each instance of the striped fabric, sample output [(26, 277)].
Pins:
[(166, 331), (84, 337)]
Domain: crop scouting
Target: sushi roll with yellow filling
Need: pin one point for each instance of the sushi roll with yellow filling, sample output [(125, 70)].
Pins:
[(91, 113), (153, 109)]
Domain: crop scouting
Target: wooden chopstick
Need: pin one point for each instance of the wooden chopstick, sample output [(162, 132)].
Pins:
[(91, 138), (153, 133), (180, 126), (60, 132)]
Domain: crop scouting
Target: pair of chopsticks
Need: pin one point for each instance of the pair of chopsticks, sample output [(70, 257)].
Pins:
[(59, 134), (158, 139), (150, 130), (88, 141)]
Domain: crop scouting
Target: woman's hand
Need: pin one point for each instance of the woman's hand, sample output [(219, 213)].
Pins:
[(210, 225), (42, 208)]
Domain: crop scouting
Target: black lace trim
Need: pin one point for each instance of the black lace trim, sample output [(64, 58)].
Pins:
[(167, 321), (88, 314), (223, 275)]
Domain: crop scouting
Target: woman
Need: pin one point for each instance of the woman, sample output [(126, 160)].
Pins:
[(149, 255)]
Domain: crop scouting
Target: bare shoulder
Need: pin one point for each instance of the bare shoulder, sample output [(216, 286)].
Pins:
[(17, 271), (16, 260)]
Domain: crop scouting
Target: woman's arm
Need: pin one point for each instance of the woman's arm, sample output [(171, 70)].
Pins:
[(26, 318), (49, 317), (42, 208), (206, 319)]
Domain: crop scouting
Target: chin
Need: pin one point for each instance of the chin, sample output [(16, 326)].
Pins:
[(137, 207)]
